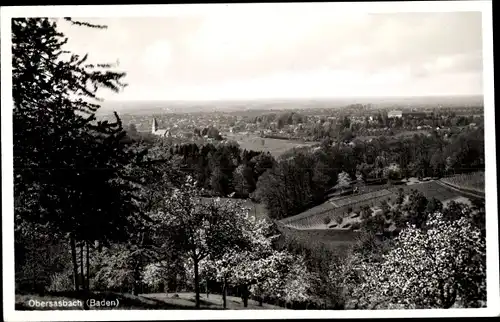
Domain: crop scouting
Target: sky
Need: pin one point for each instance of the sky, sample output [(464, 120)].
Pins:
[(288, 54)]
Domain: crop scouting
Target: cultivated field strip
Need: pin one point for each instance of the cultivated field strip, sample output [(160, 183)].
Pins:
[(315, 217), (318, 210), (360, 198), (471, 182), (465, 192), (431, 189)]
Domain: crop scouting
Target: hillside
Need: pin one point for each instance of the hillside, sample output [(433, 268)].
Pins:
[(456, 187)]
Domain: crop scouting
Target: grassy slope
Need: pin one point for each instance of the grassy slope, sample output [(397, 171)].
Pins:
[(214, 301), (470, 183), (310, 227), (314, 216)]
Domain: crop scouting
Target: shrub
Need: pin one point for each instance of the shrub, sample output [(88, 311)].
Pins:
[(356, 226), (349, 210), (338, 218), (346, 225), (60, 282), (327, 220)]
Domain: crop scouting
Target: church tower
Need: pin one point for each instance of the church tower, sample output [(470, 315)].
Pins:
[(154, 127)]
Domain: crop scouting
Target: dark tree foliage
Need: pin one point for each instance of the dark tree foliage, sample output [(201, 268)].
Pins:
[(434, 205), (222, 169), (416, 209), (69, 168)]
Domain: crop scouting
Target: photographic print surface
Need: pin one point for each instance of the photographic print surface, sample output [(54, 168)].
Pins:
[(284, 159)]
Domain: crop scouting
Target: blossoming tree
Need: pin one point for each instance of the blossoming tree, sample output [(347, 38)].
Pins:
[(258, 269), (197, 227), (439, 267)]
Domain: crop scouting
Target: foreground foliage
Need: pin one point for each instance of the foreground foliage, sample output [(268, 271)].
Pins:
[(433, 267)]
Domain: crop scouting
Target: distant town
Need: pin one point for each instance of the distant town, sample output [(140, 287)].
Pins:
[(306, 125)]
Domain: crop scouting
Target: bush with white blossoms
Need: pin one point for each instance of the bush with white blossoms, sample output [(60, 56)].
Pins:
[(425, 269), (155, 274), (264, 271)]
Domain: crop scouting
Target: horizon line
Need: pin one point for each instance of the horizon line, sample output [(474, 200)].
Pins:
[(296, 98)]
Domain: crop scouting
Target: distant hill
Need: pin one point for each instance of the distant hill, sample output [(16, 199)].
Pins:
[(151, 107)]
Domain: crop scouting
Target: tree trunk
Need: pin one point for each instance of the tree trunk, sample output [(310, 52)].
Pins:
[(33, 260), (137, 278), (260, 301), (81, 267), (224, 293), (196, 283), (88, 265), (75, 263), (244, 295), (207, 287)]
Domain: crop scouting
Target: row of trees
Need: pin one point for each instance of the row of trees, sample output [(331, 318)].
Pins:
[(282, 119)]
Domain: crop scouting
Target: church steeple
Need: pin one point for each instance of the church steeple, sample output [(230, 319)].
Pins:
[(154, 127)]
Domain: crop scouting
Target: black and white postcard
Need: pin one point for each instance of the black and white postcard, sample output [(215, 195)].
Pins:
[(298, 160)]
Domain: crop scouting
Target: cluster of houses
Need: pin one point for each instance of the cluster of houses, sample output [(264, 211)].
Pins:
[(406, 114)]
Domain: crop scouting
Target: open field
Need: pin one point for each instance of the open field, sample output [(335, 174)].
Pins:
[(157, 301), (275, 146)]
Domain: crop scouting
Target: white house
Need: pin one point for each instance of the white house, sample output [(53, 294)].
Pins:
[(395, 114)]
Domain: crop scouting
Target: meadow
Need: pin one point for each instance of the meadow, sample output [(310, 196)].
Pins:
[(275, 146)]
